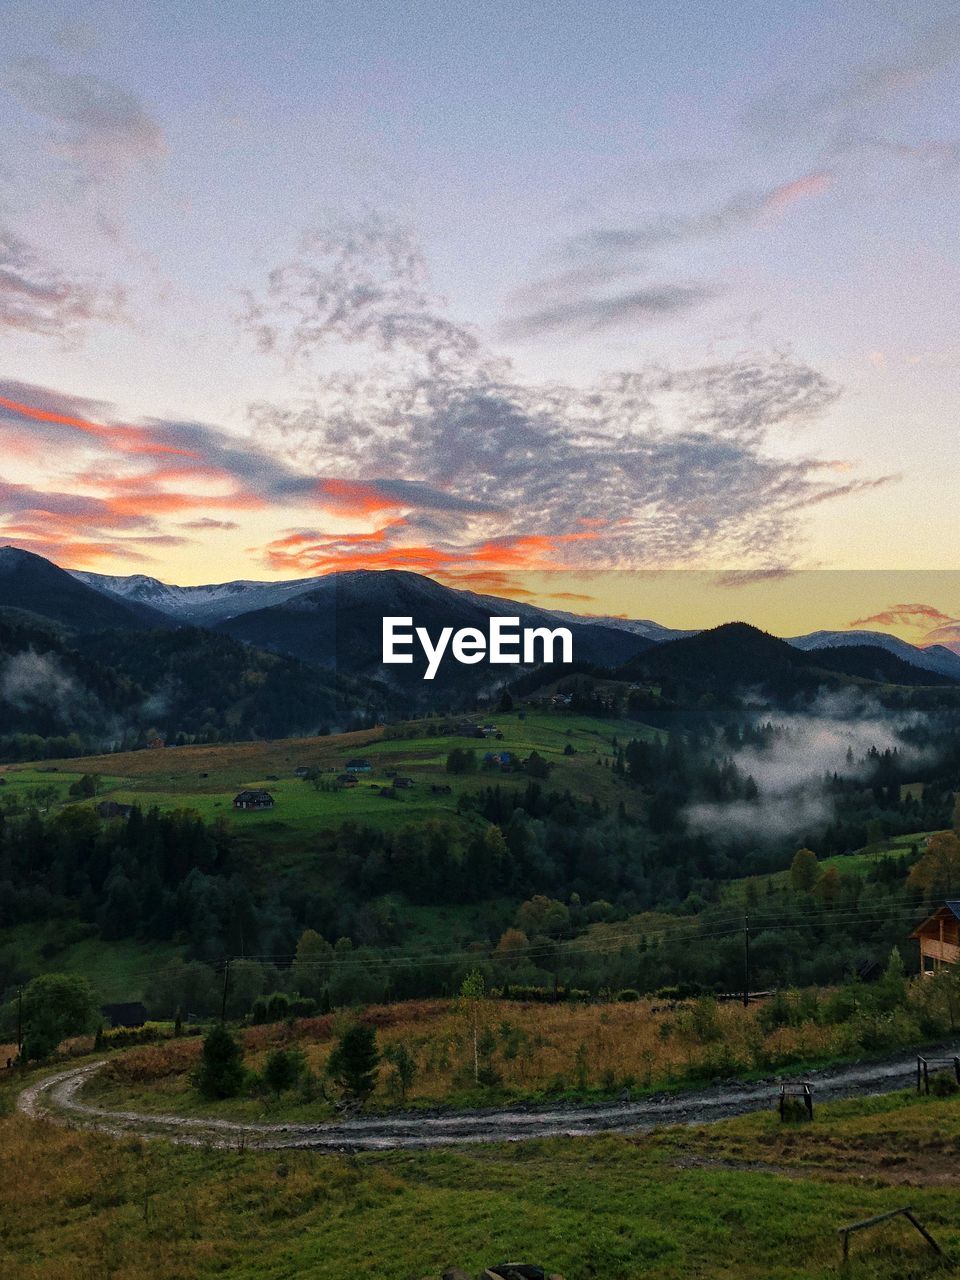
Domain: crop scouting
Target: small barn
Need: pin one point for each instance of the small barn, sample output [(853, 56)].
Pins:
[(133, 1014), (358, 766), (939, 938), (253, 800), (347, 779)]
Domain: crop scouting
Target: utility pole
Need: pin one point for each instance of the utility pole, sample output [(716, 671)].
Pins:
[(746, 961), (226, 984), (19, 1020)]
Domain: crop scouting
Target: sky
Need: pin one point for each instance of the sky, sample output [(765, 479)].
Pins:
[(509, 294)]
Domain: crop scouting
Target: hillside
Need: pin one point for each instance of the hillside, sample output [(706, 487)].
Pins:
[(31, 583), (339, 623), (736, 657)]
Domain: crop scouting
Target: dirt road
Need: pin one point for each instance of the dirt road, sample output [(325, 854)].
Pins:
[(57, 1098)]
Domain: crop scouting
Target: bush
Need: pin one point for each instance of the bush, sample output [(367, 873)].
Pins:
[(628, 995), (794, 1110), (943, 1084)]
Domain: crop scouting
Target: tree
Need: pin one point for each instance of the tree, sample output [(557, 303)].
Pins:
[(312, 963), (403, 1068), (938, 871), (543, 915), (355, 1061), (829, 886), (804, 871), (282, 1069), (221, 1072), (472, 991), (511, 947), (56, 1005)]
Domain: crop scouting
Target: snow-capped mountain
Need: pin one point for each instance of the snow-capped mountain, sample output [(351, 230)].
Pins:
[(217, 603), (203, 605), (650, 630), (934, 658)]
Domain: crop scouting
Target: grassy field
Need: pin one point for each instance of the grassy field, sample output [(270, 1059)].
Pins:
[(744, 1200), (537, 1051), (119, 970), (206, 778), (534, 1051)]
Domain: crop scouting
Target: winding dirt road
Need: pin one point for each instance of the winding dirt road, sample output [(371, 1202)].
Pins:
[(57, 1098)]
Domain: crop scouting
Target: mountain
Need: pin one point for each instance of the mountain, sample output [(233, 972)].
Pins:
[(338, 622), (644, 627), (738, 657), (30, 583), (202, 606), (936, 658), (207, 606)]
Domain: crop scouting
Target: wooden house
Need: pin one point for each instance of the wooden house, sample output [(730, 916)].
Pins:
[(253, 800), (358, 766), (939, 938)]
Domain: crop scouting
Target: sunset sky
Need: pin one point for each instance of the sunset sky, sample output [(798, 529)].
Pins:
[(489, 292)]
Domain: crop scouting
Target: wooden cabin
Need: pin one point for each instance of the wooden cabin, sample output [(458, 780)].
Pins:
[(253, 800), (939, 938)]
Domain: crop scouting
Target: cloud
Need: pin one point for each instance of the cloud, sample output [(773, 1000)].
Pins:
[(593, 315), (362, 280), (38, 298), (947, 635), (672, 465), (836, 116), (938, 628), (101, 129), (208, 524), (833, 737), (576, 295), (900, 615)]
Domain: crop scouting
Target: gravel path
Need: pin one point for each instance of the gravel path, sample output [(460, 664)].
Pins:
[(56, 1098)]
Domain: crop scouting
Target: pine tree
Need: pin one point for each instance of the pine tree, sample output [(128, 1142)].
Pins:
[(354, 1062), (221, 1072)]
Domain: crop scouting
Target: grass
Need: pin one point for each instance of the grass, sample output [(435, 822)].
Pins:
[(205, 778), (537, 1052), (745, 1200), (118, 970)]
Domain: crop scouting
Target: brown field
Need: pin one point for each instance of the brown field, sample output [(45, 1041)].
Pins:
[(249, 758), (539, 1048)]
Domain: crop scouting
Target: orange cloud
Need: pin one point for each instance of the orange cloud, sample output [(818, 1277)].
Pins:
[(788, 193), (905, 615), (353, 498), (125, 439)]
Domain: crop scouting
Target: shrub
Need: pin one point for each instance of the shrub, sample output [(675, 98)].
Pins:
[(403, 1068), (943, 1084), (793, 1110), (627, 995)]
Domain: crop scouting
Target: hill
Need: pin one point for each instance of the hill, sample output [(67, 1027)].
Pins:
[(339, 622), (736, 656)]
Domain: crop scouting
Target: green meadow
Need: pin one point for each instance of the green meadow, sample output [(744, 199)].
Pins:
[(750, 1199)]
